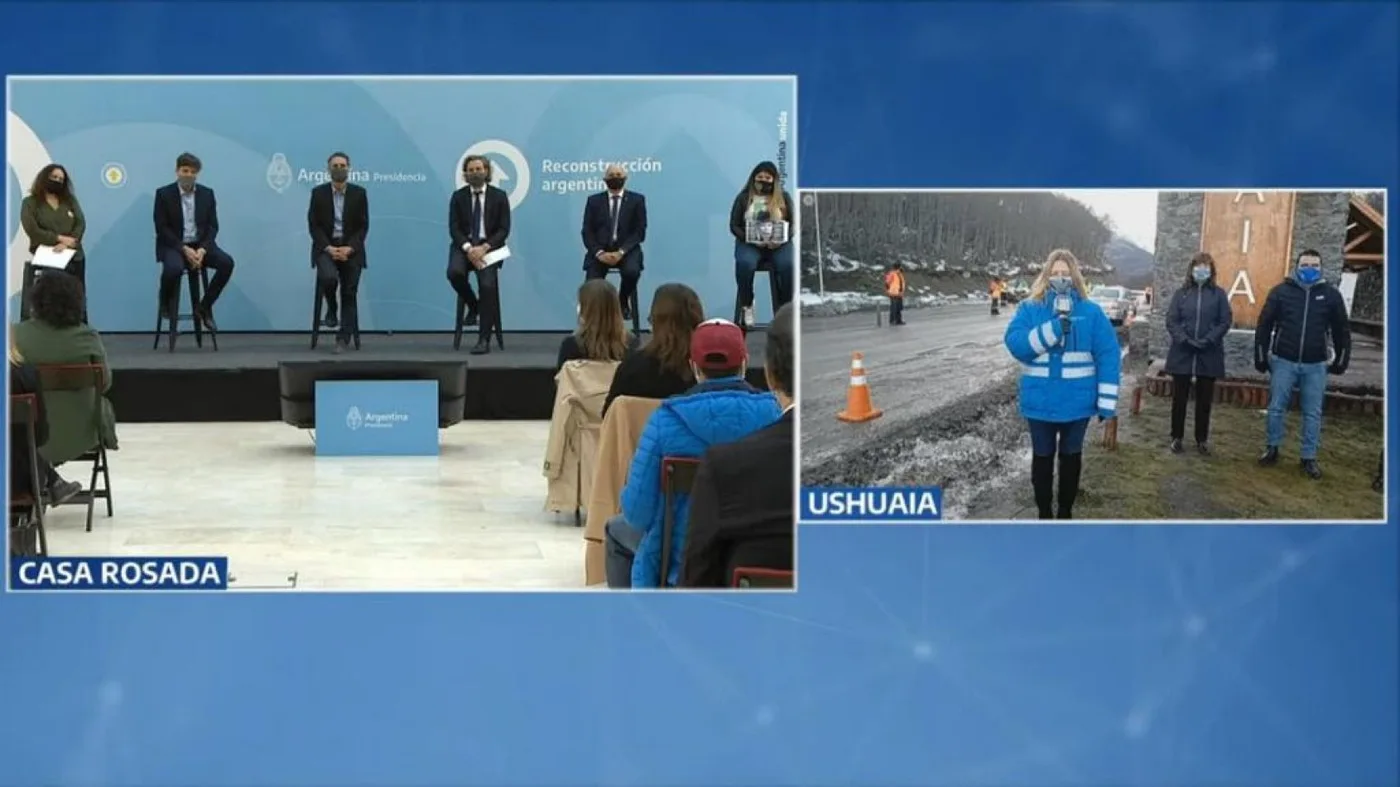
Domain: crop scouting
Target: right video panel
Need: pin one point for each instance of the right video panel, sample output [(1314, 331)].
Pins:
[(1098, 355)]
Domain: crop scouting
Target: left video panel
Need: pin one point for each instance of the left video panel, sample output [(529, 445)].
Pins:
[(242, 308)]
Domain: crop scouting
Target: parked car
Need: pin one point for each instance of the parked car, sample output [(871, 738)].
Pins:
[(1116, 302)]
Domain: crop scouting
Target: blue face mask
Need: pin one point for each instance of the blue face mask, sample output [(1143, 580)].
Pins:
[(1309, 275), (1061, 284), (1201, 275)]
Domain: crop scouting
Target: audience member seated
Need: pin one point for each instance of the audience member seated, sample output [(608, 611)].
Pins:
[(24, 379), (55, 334), (588, 358), (602, 333), (720, 408), (741, 503), (661, 367)]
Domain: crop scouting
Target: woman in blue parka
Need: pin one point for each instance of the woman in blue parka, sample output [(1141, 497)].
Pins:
[(1197, 321), (1070, 363)]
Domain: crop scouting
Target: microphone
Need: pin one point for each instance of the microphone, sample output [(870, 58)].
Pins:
[(1063, 306)]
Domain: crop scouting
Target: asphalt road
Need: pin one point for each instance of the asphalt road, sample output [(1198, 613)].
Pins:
[(942, 355)]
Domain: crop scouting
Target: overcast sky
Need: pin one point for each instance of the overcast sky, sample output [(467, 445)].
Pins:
[(1133, 211)]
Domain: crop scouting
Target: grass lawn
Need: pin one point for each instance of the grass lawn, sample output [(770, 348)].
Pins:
[(1142, 479)]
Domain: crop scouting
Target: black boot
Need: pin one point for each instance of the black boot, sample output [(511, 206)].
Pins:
[(1043, 481), (1270, 456), (1070, 465)]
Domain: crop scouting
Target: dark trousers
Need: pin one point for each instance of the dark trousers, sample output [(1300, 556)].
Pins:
[(1205, 396), (746, 260), (173, 266), (896, 310), (346, 276), (488, 305), (629, 268), (622, 542), (1049, 440)]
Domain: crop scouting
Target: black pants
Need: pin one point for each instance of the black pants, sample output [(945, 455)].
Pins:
[(1205, 396), (345, 276), (896, 310), (174, 267), (629, 268), (488, 305), (76, 268)]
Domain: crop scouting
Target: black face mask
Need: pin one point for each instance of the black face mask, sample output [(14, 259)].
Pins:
[(616, 184), (476, 179), (763, 187), (54, 186), (339, 174)]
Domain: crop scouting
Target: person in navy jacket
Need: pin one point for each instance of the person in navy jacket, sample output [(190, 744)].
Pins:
[(1198, 318), (1070, 366), (721, 408), (614, 229), (186, 218), (1290, 344)]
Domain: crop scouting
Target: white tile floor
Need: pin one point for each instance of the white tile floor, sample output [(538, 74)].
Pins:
[(471, 519)]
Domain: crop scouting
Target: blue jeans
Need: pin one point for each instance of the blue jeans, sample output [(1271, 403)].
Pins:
[(746, 259), (1049, 438), (1311, 380), (621, 541)]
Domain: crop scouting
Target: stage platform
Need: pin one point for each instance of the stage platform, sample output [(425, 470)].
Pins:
[(239, 381)]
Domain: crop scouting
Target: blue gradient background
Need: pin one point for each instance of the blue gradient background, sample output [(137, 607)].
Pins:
[(1181, 657), (706, 134)]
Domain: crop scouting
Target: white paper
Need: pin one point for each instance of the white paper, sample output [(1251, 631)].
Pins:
[(496, 257), (49, 257)]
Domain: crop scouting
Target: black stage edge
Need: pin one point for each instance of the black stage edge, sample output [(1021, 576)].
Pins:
[(239, 381)]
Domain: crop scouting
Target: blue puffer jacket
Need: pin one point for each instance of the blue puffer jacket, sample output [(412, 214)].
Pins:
[(715, 411), (1065, 377)]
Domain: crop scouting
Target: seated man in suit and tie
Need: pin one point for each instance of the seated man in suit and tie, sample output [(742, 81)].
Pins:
[(338, 219), (186, 217), (614, 229), (478, 217)]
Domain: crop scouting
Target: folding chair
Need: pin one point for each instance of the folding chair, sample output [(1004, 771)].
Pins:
[(85, 377), (27, 536), (762, 579), (198, 285), (677, 478)]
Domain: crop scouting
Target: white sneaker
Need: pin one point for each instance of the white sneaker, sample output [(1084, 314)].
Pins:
[(748, 317)]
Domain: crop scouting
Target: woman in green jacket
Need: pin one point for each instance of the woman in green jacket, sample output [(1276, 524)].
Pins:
[(51, 216), (55, 334)]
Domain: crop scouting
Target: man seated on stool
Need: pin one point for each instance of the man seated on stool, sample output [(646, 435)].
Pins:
[(338, 219), (478, 217), (614, 229), (186, 217), (721, 408), (741, 504)]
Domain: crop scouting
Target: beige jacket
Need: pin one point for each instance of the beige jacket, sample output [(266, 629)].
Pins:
[(581, 388), (617, 441)]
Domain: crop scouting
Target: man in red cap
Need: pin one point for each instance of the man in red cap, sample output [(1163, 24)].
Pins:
[(721, 408)]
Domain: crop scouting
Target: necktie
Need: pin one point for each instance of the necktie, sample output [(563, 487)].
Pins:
[(612, 216), (476, 215)]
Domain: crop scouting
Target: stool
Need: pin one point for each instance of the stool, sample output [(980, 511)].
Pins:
[(199, 284), (461, 314), (318, 303), (765, 265), (633, 301)]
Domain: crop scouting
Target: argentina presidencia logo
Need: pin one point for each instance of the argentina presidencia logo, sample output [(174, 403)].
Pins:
[(354, 419), (279, 174)]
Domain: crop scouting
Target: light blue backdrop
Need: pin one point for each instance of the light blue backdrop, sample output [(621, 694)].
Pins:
[(691, 142)]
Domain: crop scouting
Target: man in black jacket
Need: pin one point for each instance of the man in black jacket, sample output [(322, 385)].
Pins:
[(186, 218), (741, 512), (614, 229), (1290, 343), (338, 220), (478, 218)]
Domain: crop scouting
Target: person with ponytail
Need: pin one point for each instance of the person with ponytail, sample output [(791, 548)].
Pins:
[(1070, 364)]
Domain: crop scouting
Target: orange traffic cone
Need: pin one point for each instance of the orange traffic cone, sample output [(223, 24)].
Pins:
[(858, 407)]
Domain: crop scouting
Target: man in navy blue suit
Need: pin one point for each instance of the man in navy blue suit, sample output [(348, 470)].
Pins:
[(614, 229), (187, 224)]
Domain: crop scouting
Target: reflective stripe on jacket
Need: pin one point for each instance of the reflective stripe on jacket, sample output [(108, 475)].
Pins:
[(1065, 377)]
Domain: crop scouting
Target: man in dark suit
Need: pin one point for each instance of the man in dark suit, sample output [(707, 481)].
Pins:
[(186, 217), (741, 504), (339, 222), (478, 217), (614, 229)]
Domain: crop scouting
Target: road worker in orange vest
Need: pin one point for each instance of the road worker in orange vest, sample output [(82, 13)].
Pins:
[(995, 290), (894, 290)]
